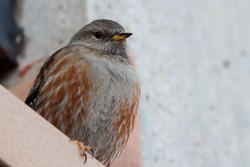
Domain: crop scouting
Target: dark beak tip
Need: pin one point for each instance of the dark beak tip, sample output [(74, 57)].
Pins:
[(126, 34), (129, 34)]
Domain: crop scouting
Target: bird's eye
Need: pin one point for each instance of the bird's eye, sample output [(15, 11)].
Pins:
[(98, 35)]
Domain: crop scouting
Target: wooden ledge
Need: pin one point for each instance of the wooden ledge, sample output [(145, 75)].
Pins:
[(28, 140)]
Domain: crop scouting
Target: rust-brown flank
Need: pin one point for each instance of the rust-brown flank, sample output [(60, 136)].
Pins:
[(127, 117), (76, 76)]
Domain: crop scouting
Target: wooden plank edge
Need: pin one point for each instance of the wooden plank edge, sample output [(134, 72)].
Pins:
[(28, 140)]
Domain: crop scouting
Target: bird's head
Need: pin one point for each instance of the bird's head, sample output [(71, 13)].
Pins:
[(102, 35)]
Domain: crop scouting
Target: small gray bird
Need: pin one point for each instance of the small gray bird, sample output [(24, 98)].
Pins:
[(89, 90)]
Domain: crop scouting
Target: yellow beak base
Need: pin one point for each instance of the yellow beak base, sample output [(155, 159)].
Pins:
[(121, 36)]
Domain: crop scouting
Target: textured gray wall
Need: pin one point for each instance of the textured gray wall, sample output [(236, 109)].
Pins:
[(50, 25), (193, 58)]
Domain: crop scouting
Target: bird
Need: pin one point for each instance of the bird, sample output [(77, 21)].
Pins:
[(90, 90)]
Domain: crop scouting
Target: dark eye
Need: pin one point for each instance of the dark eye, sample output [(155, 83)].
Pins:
[(98, 35)]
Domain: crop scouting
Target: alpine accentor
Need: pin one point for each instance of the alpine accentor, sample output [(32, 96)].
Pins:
[(89, 90)]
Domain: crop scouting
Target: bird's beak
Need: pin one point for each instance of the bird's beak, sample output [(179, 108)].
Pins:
[(121, 36)]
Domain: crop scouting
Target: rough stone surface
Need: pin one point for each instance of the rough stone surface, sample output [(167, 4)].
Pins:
[(193, 59)]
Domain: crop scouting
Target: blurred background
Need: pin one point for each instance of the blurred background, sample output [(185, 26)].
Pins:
[(193, 59)]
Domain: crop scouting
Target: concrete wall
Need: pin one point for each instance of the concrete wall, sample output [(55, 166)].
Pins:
[(193, 60)]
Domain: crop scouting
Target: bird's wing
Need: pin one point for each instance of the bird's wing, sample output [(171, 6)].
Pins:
[(41, 78), (32, 97), (61, 90)]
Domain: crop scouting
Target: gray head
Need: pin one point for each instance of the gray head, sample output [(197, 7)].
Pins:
[(102, 35)]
